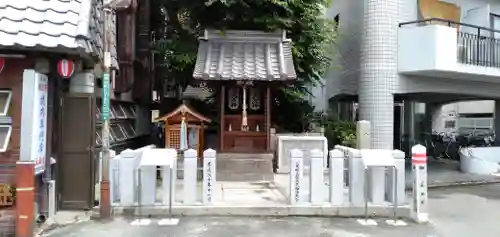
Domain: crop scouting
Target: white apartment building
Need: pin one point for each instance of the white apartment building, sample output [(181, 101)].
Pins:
[(422, 53), (465, 117)]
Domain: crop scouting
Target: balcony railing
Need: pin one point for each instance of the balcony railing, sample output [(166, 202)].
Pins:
[(477, 45)]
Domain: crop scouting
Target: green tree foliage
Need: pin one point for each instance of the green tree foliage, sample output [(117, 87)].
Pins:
[(181, 21), (340, 132)]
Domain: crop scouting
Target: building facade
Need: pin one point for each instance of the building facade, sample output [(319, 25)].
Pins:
[(51, 55), (43, 44), (466, 117), (403, 56)]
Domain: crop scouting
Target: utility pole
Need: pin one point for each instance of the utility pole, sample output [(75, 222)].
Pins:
[(105, 202)]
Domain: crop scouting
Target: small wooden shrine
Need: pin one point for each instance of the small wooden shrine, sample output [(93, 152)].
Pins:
[(195, 124), (244, 67)]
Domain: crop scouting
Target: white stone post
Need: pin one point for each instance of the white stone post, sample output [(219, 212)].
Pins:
[(169, 179), (376, 193), (148, 185), (363, 134), (419, 169), (336, 171), (356, 178), (399, 160), (114, 179), (296, 176), (209, 178), (316, 178), (127, 173), (52, 207), (190, 172), (376, 175)]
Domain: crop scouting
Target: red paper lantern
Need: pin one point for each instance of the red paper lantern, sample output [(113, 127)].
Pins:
[(65, 68)]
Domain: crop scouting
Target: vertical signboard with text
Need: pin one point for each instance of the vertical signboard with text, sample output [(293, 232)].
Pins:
[(105, 106), (34, 119)]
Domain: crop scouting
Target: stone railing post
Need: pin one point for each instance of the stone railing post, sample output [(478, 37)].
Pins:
[(114, 179), (316, 174), (376, 185), (356, 178), (169, 177), (209, 178), (147, 176), (190, 173), (273, 139), (336, 174), (363, 135), (127, 173), (399, 160), (296, 176), (419, 207)]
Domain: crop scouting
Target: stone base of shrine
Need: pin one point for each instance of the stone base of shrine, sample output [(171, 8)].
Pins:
[(245, 210)]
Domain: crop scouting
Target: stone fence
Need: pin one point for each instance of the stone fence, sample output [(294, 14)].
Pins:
[(354, 178), (381, 186)]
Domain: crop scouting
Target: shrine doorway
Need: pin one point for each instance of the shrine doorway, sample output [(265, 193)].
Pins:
[(245, 112)]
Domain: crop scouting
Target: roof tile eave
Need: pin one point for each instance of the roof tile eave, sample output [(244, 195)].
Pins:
[(239, 44), (80, 52), (72, 27)]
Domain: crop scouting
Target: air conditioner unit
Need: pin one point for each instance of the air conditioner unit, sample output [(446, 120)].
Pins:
[(82, 83)]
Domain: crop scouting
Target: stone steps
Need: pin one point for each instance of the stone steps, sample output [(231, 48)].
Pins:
[(243, 167)]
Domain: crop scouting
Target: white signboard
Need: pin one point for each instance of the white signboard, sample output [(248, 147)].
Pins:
[(34, 119)]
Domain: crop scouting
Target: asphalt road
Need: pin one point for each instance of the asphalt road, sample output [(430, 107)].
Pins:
[(455, 212), (242, 227), (466, 211)]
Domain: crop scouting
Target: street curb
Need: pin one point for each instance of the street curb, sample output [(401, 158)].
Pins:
[(50, 224), (458, 184)]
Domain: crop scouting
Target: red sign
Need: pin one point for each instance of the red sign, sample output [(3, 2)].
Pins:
[(2, 64), (65, 68)]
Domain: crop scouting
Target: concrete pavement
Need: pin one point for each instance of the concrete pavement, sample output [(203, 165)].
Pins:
[(243, 227), (466, 211), (454, 212)]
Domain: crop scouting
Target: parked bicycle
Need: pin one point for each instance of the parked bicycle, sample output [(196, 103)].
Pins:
[(448, 145)]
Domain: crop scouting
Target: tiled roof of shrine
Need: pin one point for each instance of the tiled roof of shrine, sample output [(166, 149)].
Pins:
[(244, 55)]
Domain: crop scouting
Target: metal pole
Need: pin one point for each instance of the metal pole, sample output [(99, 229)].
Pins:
[(395, 193), (139, 192), (170, 196), (366, 195), (105, 204)]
